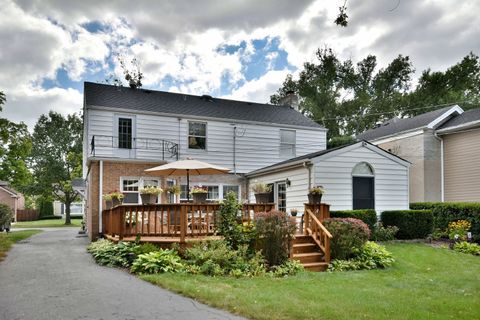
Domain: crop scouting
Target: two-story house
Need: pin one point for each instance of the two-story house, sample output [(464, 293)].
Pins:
[(444, 148), (129, 130)]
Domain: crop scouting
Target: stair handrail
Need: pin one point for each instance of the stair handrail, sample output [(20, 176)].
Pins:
[(318, 232)]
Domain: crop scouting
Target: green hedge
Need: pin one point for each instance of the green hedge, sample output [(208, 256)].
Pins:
[(369, 216), (76, 216), (446, 212), (412, 224)]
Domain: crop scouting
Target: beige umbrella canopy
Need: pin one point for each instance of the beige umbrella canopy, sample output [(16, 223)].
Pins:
[(186, 168)]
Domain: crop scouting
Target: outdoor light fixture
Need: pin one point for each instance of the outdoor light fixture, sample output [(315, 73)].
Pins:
[(288, 182)]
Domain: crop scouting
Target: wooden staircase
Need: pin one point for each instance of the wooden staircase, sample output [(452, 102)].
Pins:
[(305, 250), (312, 246)]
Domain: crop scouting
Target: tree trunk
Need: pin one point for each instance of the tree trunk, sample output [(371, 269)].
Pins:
[(67, 212)]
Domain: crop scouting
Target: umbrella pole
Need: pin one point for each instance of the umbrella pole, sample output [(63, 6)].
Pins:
[(188, 185)]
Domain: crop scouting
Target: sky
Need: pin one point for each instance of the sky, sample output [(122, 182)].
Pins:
[(239, 49)]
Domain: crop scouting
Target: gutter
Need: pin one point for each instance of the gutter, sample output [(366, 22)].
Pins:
[(268, 170)]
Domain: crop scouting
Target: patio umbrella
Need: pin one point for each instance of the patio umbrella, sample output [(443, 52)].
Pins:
[(186, 168)]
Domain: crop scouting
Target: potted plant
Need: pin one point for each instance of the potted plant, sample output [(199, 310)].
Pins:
[(108, 201), (315, 195), (199, 193), (150, 194), (175, 190), (262, 192), (294, 212), (117, 198)]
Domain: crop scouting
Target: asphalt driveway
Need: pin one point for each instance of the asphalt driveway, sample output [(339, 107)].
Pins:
[(51, 276)]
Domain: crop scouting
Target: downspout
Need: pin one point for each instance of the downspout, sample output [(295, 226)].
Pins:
[(234, 150), (179, 142), (442, 175), (308, 165), (100, 198)]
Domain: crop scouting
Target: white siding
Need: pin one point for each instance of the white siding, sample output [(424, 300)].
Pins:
[(335, 174), (296, 193), (257, 146)]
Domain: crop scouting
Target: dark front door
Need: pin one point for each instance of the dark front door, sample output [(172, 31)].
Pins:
[(363, 193)]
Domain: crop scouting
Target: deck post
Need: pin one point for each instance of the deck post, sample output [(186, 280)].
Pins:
[(121, 228), (183, 223)]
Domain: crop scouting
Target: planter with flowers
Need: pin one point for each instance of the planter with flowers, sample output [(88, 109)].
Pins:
[(150, 194), (315, 195), (262, 192), (199, 193), (293, 212), (175, 190), (113, 199)]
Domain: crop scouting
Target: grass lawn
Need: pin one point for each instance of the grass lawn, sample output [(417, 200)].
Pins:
[(423, 283), (54, 223), (8, 239)]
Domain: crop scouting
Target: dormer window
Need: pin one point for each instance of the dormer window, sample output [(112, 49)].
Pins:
[(197, 135)]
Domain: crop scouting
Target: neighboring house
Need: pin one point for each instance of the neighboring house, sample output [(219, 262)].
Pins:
[(357, 176), (76, 208), (11, 198), (129, 130), (444, 149)]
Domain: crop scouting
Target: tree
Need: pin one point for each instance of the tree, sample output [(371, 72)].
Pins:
[(57, 157), (14, 151), (348, 98), (133, 76)]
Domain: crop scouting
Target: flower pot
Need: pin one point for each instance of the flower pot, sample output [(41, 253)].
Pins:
[(148, 198), (262, 197), (293, 213), (116, 202), (314, 198), (108, 204), (199, 197)]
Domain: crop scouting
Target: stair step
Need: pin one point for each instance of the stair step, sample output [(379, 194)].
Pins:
[(301, 238), (304, 247), (315, 266), (308, 257)]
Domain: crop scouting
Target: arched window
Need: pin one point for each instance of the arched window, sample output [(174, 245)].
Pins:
[(363, 186)]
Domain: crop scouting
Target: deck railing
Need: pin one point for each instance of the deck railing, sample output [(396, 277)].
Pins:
[(313, 227), (185, 220)]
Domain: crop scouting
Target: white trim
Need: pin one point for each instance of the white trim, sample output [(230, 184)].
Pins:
[(214, 184), (444, 116), (274, 168), (187, 116), (467, 125), (442, 168), (400, 135), (100, 197)]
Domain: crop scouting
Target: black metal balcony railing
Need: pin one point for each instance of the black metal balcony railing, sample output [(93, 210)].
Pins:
[(167, 149)]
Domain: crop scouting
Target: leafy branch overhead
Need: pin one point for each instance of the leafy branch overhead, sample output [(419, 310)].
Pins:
[(342, 18)]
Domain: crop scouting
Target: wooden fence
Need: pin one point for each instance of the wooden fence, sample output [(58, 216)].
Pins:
[(27, 215)]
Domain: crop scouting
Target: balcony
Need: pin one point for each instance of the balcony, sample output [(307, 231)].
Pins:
[(136, 148)]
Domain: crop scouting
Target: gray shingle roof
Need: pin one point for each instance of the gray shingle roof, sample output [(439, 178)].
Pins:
[(396, 125), (191, 105), (466, 117)]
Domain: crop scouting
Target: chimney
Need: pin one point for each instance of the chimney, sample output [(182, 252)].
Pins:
[(290, 99)]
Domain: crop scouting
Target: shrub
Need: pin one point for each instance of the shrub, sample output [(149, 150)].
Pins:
[(45, 207), (6, 214), (275, 231), (349, 235), (369, 216), (467, 247), (289, 268), (107, 253), (76, 216), (370, 256), (423, 205), (216, 258), (157, 262), (50, 218), (228, 224), (412, 224), (381, 233), (144, 248)]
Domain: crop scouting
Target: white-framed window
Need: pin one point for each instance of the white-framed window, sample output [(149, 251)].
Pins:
[(197, 135), (229, 188), (130, 187), (287, 143), (125, 133), (215, 191)]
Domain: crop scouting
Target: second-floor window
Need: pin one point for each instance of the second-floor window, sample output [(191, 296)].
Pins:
[(197, 135), (287, 143), (125, 133)]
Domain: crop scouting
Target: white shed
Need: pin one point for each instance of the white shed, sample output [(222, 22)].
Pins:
[(357, 176)]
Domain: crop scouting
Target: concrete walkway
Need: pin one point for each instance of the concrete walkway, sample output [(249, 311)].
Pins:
[(51, 276)]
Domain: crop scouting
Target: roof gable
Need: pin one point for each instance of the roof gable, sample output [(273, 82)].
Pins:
[(466, 119), (177, 104), (395, 126)]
